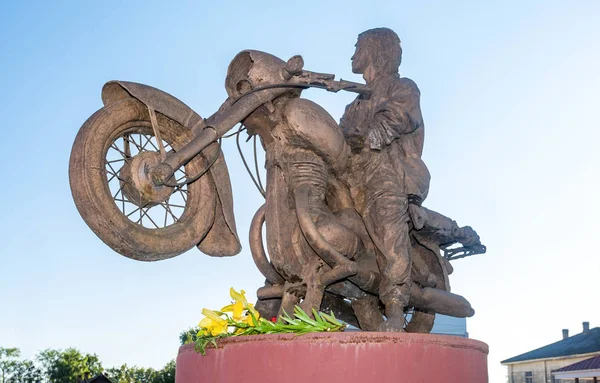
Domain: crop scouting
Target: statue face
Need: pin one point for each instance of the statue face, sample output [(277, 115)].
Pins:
[(360, 59)]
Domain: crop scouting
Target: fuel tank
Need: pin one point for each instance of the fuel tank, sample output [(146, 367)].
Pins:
[(305, 127), (311, 127)]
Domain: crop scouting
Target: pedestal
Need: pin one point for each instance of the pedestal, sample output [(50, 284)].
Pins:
[(347, 357)]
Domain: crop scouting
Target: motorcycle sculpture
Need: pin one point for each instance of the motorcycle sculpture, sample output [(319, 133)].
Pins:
[(149, 178)]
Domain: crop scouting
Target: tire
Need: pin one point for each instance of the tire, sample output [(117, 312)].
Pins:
[(420, 322), (92, 176), (425, 262)]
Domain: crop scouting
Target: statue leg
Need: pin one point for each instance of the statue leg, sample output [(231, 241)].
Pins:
[(387, 221), (367, 312), (344, 240)]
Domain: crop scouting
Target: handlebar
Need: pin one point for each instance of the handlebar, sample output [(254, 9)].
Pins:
[(218, 124), (294, 73)]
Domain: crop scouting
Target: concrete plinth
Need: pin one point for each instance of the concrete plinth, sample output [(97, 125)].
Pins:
[(348, 357)]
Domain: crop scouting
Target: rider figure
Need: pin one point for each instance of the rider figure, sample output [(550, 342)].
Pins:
[(385, 132)]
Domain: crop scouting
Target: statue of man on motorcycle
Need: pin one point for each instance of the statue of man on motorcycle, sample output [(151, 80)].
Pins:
[(387, 174), (345, 228)]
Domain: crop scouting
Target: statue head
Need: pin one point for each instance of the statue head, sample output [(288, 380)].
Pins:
[(378, 48)]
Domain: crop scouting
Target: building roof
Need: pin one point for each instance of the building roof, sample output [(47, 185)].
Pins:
[(100, 378), (588, 364), (583, 343)]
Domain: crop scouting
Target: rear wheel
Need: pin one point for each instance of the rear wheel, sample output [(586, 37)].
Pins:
[(109, 180), (427, 265)]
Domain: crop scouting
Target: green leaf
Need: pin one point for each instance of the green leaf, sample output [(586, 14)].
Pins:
[(300, 314), (254, 320), (318, 317), (299, 324)]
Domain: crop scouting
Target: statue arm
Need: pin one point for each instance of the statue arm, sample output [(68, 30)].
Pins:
[(348, 116), (401, 114)]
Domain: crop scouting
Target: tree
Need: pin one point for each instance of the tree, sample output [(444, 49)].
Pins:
[(26, 372), (8, 362), (69, 366), (47, 359), (118, 374), (189, 336), (126, 374), (143, 375), (167, 374)]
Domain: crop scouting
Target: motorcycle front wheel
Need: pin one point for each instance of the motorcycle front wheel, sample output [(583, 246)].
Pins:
[(138, 220)]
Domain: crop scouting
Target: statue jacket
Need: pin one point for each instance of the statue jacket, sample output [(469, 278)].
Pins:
[(386, 133)]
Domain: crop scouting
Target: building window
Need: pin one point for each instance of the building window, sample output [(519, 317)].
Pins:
[(528, 377)]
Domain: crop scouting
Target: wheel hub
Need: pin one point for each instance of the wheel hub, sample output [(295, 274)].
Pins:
[(136, 183)]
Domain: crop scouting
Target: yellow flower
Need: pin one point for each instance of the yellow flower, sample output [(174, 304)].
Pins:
[(251, 309), (216, 323), (212, 323), (239, 297), (236, 308), (248, 320)]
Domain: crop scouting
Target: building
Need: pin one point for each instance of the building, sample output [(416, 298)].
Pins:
[(588, 369), (446, 325), (552, 363), (100, 378)]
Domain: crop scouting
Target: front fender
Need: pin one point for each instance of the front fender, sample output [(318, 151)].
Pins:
[(222, 238), (156, 99)]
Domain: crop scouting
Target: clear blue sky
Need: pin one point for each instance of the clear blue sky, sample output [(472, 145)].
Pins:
[(510, 99)]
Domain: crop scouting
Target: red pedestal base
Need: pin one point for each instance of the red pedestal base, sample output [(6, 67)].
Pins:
[(349, 357)]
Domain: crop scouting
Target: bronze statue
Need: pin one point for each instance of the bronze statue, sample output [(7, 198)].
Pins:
[(345, 227), (387, 174)]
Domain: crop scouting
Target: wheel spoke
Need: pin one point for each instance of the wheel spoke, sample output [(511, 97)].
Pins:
[(173, 205), (142, 207), (166, 215), (115, 173), (138, 140), (145, 214), (123, 200), (126, 146), (135, 211), (132, 140), (166, 206), (108, 172), (119, 191), (149, 141), (112, 177), (183, 193), (125, 156)]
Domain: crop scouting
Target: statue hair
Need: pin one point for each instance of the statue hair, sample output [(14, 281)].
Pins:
[(384, 47)]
